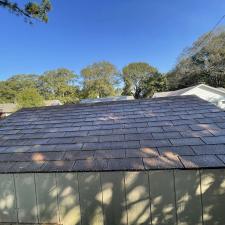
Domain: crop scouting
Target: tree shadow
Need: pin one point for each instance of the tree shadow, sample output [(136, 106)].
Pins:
[(213, 196), (183, 197)]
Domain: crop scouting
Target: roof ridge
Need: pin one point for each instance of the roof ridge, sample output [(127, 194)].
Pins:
[(76, 105)]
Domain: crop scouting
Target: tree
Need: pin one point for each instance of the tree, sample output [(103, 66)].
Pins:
[(11, 87), (29, 98), (7, 94), (155, 83), (23, 81), (99, 80), (135, 76), (59, 84), (30, 11), (203, 62), (56, 84)]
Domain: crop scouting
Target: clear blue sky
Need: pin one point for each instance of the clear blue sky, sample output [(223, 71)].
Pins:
[(81, 32)]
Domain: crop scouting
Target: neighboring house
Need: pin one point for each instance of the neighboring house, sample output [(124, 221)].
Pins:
[(107, 99), (208, 93), (151, 161), (52, 102), (7, 109)]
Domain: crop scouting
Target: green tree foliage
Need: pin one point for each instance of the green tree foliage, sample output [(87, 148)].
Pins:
[(99, 80), (7, 94), (21, 82), (11, 87), (29, 97), (136, 76), (56, 84), (204, 62), (30, 11), (59, 84), (155, 83)]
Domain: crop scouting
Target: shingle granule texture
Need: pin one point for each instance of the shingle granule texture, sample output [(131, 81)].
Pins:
[(174, 132)]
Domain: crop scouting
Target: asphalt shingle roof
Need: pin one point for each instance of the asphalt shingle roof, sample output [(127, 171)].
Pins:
[(175, 132)]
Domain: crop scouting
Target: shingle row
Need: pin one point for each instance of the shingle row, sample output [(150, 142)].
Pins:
[(115, 164), (178, 132)]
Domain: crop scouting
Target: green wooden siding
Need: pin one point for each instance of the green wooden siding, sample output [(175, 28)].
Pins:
[(176, 197), (47, 198), (90, 198), (137, 198), (114, 202), (213, 196), (162, 197), (68, 195), (188, 197), (25, 189), (8, 212)]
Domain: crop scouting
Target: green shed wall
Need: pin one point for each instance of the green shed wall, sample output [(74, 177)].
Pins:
[(183, 197)]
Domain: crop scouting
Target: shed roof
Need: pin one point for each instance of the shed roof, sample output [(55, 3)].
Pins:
[(182, 132)]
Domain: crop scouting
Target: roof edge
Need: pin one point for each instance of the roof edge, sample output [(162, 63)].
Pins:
[(210, 87)]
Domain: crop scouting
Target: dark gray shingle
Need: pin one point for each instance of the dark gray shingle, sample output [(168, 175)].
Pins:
[(173, 132)]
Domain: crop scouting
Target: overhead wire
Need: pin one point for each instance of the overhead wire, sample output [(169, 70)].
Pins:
[(212, 30)]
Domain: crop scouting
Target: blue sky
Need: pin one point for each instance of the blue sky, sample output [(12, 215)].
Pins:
[(81, 32)]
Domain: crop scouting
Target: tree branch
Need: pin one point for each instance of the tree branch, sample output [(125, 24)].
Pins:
[(14, 7), (31, 10)]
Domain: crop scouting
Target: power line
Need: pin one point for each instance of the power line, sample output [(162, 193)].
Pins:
[(217, 24), (198, 48), (213, 29)]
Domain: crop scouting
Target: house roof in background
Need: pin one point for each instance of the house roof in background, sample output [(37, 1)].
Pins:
[(172, 93), (12, 107), (52, 102), (221, 89), (174, 132), (185, 90), (8, 108)]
